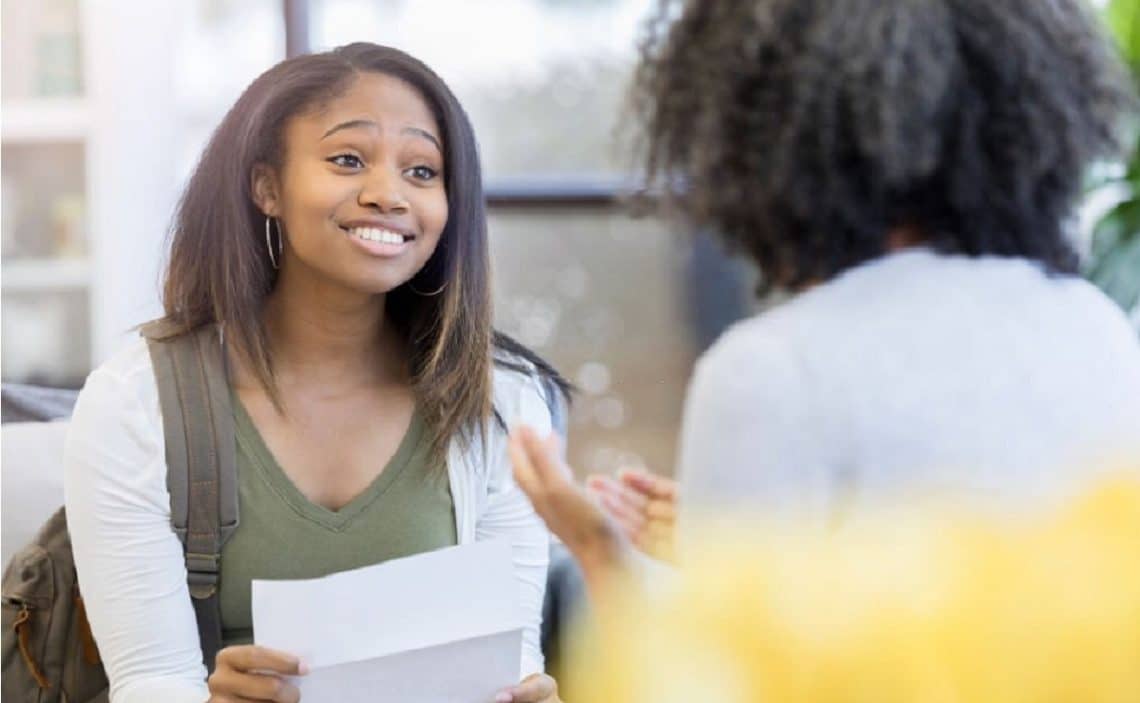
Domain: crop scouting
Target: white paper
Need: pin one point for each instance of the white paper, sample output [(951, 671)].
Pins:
[(441, 626)]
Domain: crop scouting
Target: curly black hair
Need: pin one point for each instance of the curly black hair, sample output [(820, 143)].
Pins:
[(803, 131)]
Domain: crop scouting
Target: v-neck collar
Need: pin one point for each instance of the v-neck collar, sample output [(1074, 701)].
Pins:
[(250, 439)]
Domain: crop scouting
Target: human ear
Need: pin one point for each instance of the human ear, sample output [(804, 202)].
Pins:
[(264, 185)]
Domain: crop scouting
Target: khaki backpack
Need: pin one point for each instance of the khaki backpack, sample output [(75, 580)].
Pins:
[(49, 654)]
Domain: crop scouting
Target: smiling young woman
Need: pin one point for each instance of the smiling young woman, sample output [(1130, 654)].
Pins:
[(334, 229)]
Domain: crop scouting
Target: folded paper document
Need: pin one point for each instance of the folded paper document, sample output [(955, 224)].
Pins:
[(443, 626)]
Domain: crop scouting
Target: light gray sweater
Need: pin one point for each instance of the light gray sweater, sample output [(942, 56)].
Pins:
[(916, 374)]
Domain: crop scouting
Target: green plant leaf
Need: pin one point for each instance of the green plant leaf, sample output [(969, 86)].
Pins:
[(1116, 228), (1114, 261), (1119, 278), (1124, 19), (1114, 264), (1133, 173)]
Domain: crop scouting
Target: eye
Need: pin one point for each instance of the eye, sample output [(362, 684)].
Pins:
[(346, 161), (422, 173)]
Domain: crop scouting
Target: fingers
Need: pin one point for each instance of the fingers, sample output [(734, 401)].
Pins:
[(251, 673), (607, 485), (544, 484), (661, 511), (537, 462), (631, 520), (544, 455), (259, 687), (654, 486), (632, 507), (224, 698), (567, 510), (653, 537), (234, 685), (656, 540), (617, 498), (536, 688), (247, 657), (643, 505)]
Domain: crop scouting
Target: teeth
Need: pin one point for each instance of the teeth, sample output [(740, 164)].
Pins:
[(374, 234)]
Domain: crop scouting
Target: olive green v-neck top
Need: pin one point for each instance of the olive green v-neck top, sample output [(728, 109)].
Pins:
[(406, 510)]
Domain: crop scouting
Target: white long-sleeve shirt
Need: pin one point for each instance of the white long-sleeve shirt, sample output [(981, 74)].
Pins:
[(130, 563), (914, 375)]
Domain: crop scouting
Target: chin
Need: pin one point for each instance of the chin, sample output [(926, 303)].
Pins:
[(374, 287), (372, 284), (374, 277)]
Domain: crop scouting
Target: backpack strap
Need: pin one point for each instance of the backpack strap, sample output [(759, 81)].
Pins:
[(201, 469)]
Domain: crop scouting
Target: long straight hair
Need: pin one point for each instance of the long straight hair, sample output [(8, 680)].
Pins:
[(219, 271)]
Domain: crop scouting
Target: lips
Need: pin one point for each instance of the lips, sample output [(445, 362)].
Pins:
[(378, 232), (377, 240)]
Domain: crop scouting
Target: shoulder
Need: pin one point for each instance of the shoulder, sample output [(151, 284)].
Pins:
[(756, 356), (125, 381), (1089, 306), (518, 399), (115, 443), (129, 361)]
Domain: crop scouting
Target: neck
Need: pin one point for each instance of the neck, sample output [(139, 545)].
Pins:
[(898, 239), (904, 237), (330, 336)]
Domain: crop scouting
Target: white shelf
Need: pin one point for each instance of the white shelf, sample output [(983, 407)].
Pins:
[(44, 275), (44, 120)]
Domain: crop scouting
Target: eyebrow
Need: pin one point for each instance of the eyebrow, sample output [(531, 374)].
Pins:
[(352, 124)]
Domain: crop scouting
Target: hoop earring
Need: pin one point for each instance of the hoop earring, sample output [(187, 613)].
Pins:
[(427, 295), (274, 259)]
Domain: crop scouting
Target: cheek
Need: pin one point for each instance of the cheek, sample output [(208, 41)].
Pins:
[(434, 214), (320, 195)]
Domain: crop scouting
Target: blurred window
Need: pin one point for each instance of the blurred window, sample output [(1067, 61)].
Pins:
[(543, 80), (222, 47)]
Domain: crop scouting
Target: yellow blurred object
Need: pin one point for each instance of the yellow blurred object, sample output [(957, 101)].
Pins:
[(905, 607)]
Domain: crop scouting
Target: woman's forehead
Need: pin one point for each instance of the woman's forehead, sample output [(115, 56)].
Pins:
[(376, 101)]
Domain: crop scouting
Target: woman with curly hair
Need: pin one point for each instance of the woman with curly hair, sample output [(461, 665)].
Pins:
[(907, 171)]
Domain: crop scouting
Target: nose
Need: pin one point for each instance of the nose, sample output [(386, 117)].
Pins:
[(383, 191)]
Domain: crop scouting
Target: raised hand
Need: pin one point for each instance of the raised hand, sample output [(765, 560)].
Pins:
[(644, 505), (595, 540)]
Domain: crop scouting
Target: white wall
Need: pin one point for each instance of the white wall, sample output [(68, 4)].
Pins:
[(129, 64)]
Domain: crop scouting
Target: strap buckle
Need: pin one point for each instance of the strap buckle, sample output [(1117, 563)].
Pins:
[(202, 574)]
